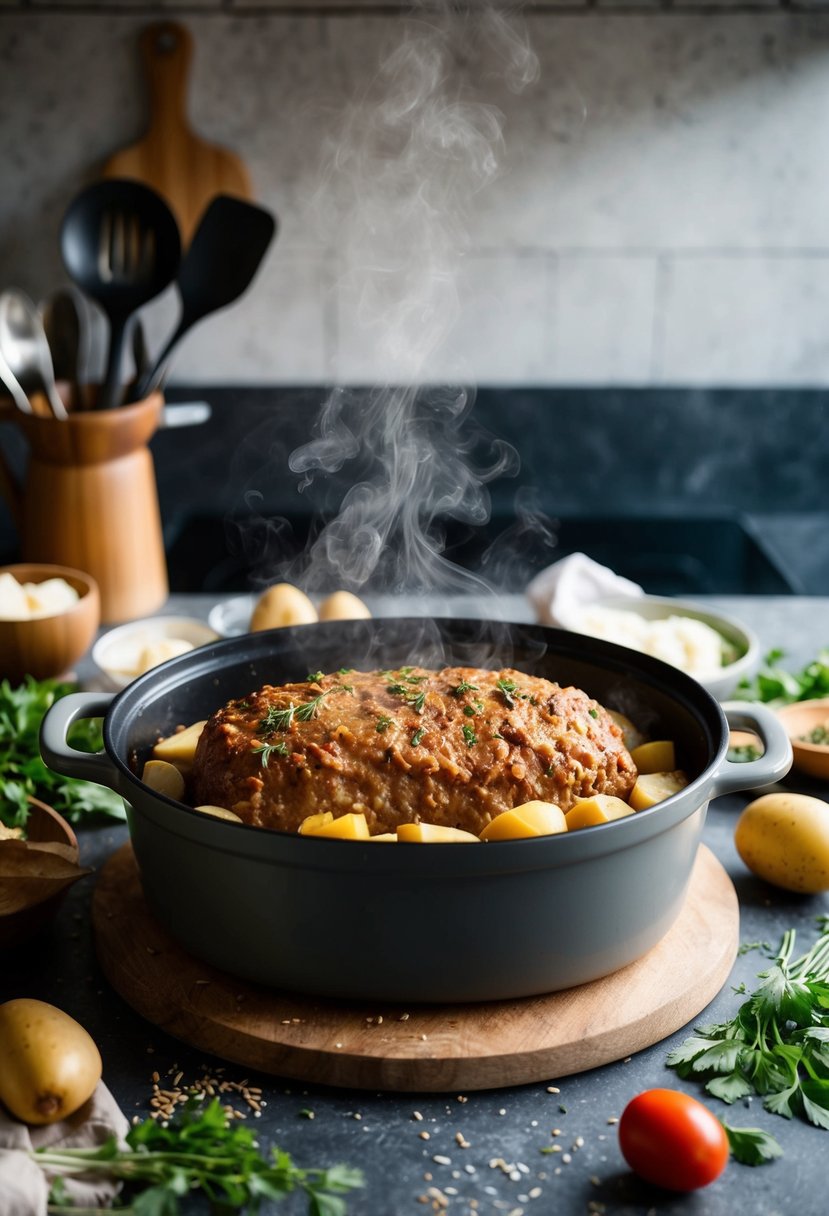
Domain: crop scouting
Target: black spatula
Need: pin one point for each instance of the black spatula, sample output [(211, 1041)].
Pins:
[(224, 255)]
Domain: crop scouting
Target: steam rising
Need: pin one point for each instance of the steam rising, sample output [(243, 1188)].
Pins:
[(411, 153)]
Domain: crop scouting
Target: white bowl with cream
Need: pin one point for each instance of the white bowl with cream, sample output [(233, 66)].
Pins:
[(129, 650)]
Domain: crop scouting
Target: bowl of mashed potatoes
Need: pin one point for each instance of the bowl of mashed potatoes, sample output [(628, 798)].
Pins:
[(714, 648)]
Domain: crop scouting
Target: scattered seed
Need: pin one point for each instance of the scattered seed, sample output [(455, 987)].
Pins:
[(416, 1115), (424, 1135), (553, 1089), (439, 1159)]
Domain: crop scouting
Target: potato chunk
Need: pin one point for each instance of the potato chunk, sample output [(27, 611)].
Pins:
[(179, 749), (219, 812), (164, 778), (651, 788), (658, 756), (531, 819), (433, 833), (352, 826), (601, 808)]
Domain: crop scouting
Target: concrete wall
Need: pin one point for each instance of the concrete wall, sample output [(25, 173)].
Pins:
[(652, 209)]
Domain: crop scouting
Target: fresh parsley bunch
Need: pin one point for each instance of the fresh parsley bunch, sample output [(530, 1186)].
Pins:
[(776, 686), (200, 1151), (22, 771), (777, 1045)]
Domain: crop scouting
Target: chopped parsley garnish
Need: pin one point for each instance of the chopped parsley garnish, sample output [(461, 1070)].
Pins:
[(383, 724), (463, 687), (266, 750), (594, 713), (417, 736), (397, 690), (507, 687), (314, 677), (470, 736), (344, 671), (417, 701)]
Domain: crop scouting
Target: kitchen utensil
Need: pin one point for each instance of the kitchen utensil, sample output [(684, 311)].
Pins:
[(47, 646), (225, 253), (170, 157), (26, 351), (120, 245), (27, 904), (740, 641), (429, 1049), (67, 333), (90, 501), (140, 352), (426, 922)]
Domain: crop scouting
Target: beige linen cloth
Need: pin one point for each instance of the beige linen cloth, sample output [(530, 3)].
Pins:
[(24, 1187)]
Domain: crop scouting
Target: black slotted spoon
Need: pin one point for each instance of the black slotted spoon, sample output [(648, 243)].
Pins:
[(121, 245), (227, 249)]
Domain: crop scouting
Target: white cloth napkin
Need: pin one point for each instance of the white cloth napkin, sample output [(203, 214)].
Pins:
[(24, 1186), (560, 591)]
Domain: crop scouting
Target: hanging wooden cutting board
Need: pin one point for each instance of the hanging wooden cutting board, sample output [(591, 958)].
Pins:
[(185, 169), (417, 1048)]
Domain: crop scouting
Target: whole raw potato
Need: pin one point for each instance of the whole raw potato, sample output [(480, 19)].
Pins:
[(49, 1065), (784, 838), (281, 605)]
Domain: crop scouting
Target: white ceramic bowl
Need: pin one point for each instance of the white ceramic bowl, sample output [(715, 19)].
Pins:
[(118, 652), (738, 636), (232, 617)]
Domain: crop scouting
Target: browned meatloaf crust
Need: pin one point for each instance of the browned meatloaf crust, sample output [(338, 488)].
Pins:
[(452, 747)]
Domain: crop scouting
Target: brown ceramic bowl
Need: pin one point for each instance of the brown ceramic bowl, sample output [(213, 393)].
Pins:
[(799, 720), (47, 646), (28, 902)]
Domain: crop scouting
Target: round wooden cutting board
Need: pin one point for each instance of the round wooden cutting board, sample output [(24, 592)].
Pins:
[(417, 1048)]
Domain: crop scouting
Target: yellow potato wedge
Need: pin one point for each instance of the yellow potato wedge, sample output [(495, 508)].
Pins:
[(311, 822), (164, 778), (384, 836), (656, 787), (601, 808), (433, 833), (658, 756), (219, 812), (530, 819), (345, 827), (180, 748)]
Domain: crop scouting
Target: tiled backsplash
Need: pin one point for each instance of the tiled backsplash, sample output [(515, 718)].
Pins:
[(657, 211)]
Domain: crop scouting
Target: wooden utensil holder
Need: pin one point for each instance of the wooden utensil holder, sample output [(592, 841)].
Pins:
[(90, 501)]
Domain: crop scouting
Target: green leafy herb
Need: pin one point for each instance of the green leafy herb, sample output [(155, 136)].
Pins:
[(281, 719), (314, 677), (777, 1045), (507, 688), (470, 736), (200, 1151), (774, 685), (417, 736), (594, 713), (383, 724), (818, 735), (464, 687), (469, 711), (266, 750), (22, 771), (751, 1145), (744, 753), (344, 671)]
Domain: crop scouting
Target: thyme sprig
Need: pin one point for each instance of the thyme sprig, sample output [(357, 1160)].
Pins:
[(266, 750)]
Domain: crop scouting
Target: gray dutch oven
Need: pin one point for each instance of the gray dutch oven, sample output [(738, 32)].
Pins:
[(415, 922)]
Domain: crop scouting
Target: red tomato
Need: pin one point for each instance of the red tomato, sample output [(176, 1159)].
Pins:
[(672, 1140)]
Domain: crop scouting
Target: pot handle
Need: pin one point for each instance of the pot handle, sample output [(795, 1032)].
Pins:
[(66, 760), (771, 766)]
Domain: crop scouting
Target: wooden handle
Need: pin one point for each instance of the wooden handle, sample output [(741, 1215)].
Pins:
[(167, 49), (10, 490)]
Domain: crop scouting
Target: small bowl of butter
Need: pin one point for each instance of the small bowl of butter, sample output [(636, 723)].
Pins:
[(128, 651)]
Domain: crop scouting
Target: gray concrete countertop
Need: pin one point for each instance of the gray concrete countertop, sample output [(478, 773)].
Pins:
[(378, 1131)]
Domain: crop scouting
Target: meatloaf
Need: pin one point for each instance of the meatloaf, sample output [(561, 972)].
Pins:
[(453, 747)]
